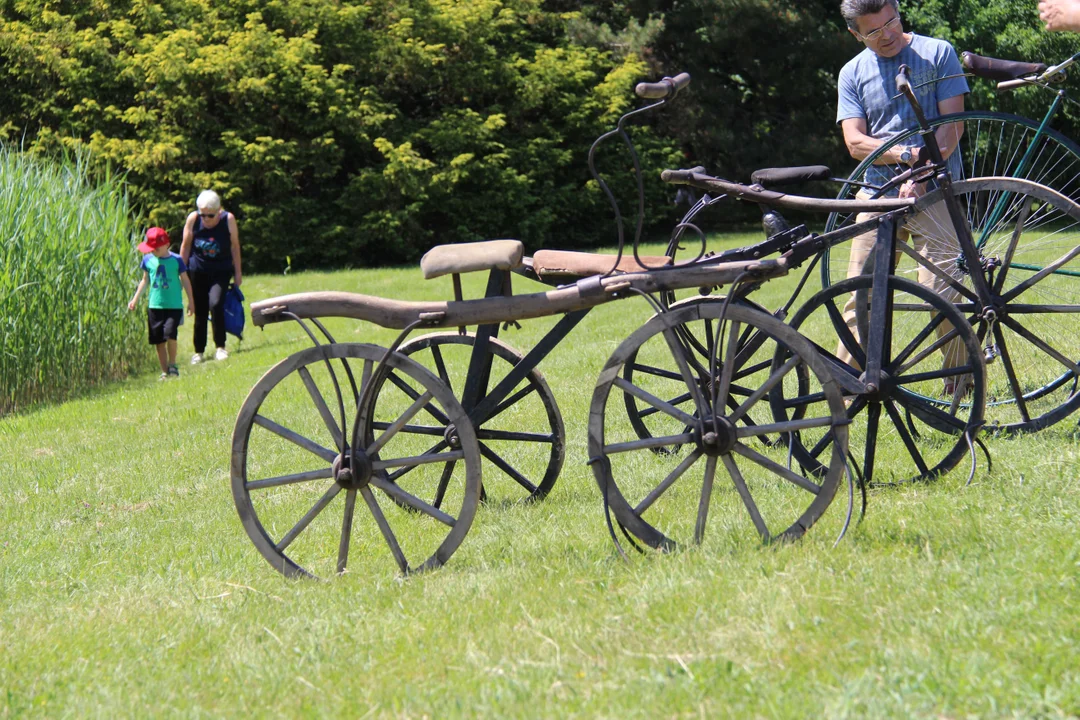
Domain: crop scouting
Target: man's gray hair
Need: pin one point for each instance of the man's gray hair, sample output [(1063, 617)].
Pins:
[(209, 200), (852, 10)]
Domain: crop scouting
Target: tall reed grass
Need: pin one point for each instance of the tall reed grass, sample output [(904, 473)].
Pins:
[(67, 269)]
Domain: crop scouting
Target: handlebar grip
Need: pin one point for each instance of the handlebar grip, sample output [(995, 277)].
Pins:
[(902, 83), (679, 177), (665, 88)]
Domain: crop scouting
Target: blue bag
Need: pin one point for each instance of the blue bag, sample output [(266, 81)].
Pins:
[(234, 312)]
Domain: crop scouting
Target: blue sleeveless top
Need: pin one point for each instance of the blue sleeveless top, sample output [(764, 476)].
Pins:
[(211, 248)]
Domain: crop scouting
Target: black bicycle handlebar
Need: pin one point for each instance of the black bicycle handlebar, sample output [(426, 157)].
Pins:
[(667, 87)]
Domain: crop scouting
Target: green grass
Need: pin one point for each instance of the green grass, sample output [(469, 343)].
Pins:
[(130, 588)]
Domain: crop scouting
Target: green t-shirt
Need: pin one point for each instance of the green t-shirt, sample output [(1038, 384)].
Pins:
[(166, 292)]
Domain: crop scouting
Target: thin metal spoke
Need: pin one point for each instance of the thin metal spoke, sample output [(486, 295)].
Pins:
[(346, 531), (747, 498), (500, 463), (320, 474), (667, 482), (320, 404), (406, 498), (313, 513), (384, 528), (706, 498), (296, 439), (1039, 343), (391, 431), (776, 468), (656, 402)]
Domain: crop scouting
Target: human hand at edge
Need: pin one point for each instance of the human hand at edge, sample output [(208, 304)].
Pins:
[(912, 189), (131, 306), (1058, 15)]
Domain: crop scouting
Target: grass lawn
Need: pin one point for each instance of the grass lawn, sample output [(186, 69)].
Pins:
[(129, 587)]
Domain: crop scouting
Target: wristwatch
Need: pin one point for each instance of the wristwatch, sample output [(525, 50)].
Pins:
[(905, 156)]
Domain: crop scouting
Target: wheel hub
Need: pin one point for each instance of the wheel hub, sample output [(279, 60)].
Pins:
[(451, 437), (352, 471), (718, 441)]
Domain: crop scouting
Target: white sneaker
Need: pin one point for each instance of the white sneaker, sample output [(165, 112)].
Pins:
[(196, 358), (221, 354)]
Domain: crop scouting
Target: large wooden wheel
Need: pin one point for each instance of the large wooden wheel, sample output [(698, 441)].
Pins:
[(715, 472), (306, 463)]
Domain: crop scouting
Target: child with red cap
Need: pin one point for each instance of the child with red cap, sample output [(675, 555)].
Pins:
[(165, 273)]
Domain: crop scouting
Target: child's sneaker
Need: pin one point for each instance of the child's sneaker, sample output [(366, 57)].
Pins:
[(174, 371), (163, 376), (196, 358), (221, 354)]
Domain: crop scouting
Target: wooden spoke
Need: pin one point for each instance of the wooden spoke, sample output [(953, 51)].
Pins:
[(440, 366), (648, 443), (320, 404), (905, 436), (674, 402), (500, 463), (776, 468), (393, 477), (346, 531), (728, 367), (656, 402), (484, 434), (511, 401), (667, 482), (384, 528), (296, 439), (313, 513), (439, 416), (391, 431), (1010, 373), (706, 498), (417, 460), (747, 498), (1040, 343), (320, 474), (405, 498)]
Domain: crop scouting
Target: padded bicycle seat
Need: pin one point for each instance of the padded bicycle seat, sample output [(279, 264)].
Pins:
[(775, 177), (566, 263), (469, 257)]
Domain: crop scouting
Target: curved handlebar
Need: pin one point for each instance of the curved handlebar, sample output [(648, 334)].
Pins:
[(668, 87)]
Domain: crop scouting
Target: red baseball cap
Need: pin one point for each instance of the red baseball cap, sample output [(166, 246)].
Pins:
[(155, 237)]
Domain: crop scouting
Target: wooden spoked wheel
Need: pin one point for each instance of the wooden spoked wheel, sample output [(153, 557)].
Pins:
[(521, 461), (306, 490), (917, 424), (668, 385), (715, 472)]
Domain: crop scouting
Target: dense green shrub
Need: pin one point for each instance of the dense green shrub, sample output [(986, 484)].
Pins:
[(67, 270)]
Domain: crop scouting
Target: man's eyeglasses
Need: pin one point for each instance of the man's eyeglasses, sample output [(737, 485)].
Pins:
[(876, 34)]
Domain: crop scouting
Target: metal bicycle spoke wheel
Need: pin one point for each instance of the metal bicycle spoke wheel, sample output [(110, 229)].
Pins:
[(717, 478), (521, 461), (306, 492), (667, 384), (992, 144), (897, 432)]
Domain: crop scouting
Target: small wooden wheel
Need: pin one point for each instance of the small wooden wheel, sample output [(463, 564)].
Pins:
[(297, 473), (668, 498)]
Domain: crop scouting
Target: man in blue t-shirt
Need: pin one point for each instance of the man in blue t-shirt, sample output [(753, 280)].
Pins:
[(870, 113)]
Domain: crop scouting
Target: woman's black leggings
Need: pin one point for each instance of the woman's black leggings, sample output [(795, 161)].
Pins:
[(209, 289)]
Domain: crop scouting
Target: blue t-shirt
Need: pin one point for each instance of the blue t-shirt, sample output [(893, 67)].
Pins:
[(165, 288), (867, 89)]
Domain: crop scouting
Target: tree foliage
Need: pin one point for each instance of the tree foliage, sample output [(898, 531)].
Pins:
[(348, 132)]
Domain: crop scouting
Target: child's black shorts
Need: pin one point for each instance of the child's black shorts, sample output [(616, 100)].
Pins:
[(162, 324)]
